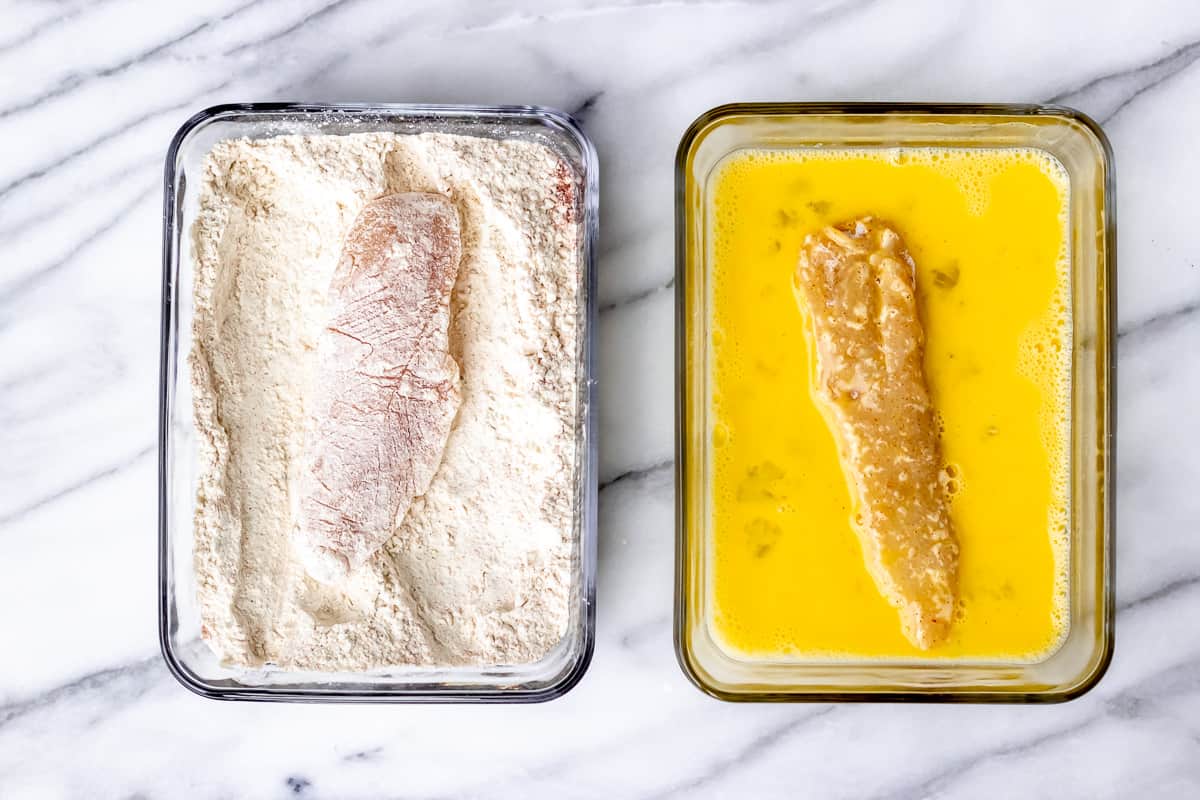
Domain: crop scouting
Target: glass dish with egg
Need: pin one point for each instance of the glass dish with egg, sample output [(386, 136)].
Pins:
[(894, 402)]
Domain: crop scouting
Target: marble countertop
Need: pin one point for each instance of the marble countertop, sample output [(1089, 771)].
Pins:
[(92, 90)]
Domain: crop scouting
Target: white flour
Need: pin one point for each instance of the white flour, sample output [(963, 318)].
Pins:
[(480, 571)]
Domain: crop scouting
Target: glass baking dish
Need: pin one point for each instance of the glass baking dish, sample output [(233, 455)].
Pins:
[(187, 656), (1081, 147)]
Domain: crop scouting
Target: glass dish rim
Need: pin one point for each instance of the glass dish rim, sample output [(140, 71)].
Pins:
[(1107, 361), (589, 530)]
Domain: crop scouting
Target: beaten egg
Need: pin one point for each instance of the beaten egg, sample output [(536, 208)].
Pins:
[(988, 231)]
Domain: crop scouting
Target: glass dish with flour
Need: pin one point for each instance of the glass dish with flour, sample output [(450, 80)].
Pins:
[(377, 457)]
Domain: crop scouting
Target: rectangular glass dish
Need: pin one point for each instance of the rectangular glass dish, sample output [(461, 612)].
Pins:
[(189, 658), (901, 132)]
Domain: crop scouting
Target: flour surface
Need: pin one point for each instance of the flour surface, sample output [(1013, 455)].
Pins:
[(479, 572)]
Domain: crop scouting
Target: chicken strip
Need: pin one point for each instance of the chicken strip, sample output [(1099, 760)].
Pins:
[(857, 287), (386, 388)]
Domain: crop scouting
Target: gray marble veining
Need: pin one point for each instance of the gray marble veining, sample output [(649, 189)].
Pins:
[(92, 91)]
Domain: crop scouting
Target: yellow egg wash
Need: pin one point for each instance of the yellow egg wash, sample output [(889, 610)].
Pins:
[(988, 231)]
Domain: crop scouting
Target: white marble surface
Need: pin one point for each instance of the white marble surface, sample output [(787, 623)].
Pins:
[(90, 93)]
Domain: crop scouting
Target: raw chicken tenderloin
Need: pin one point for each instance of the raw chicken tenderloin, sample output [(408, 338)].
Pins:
[(858, 288), (386, 388)]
